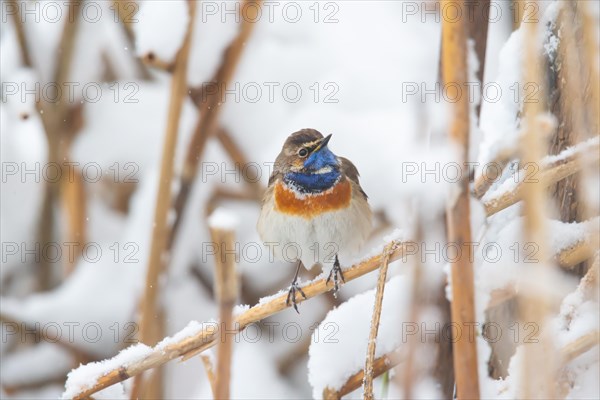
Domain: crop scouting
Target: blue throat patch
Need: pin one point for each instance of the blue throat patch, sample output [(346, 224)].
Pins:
[(309, 181)]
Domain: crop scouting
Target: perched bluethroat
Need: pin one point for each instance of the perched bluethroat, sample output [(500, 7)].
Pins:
[(314, 202)]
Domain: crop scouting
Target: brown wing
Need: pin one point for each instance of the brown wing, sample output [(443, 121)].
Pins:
[(349, 170), (275, 175)]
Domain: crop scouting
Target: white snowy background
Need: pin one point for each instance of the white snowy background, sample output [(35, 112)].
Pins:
[(363, 59)]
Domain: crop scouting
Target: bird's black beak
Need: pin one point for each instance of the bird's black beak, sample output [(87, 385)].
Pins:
[(323, 143)]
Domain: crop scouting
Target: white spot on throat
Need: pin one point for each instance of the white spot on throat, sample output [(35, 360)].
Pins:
[(325, 170)]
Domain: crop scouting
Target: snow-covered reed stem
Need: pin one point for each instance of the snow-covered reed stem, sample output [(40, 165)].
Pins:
[(484, 181), (380, 365), (548, 172)]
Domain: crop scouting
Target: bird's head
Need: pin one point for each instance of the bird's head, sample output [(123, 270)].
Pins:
[(306, 152), (307, 163)]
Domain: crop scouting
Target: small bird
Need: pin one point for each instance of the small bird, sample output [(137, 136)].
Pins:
[(315, 204)]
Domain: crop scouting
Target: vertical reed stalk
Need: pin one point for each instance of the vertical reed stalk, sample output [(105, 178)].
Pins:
[(410, 367), (454, 72), (226, 291), (536, 380), (150, 309)]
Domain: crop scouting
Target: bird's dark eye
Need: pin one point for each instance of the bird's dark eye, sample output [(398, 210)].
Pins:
[(303, 152)]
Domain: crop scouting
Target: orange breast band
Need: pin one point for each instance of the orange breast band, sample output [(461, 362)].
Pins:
[(311, 205)]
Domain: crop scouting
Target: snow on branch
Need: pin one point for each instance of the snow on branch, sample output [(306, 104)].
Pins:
[(390, 360), (380, 366), (551, 169), (90, 378)]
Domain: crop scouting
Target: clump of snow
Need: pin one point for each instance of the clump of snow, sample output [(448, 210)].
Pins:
[(339, 345), (86, 376), (266, 299), (224, 219), (240, 309), (569, 151), (192, 329)]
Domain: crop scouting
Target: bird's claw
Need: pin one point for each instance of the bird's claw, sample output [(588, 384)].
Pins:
[(336, 273), (291, 297)]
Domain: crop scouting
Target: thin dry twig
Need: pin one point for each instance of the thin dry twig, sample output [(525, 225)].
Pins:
[(579, 346), (370, 359), (12, 8), (454, 71), (53, 116), (207, 338), (151, 60), (210, 373), (484, 181)]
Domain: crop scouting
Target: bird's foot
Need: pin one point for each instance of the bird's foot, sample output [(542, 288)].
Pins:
[(336, 273), (291, 297)]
